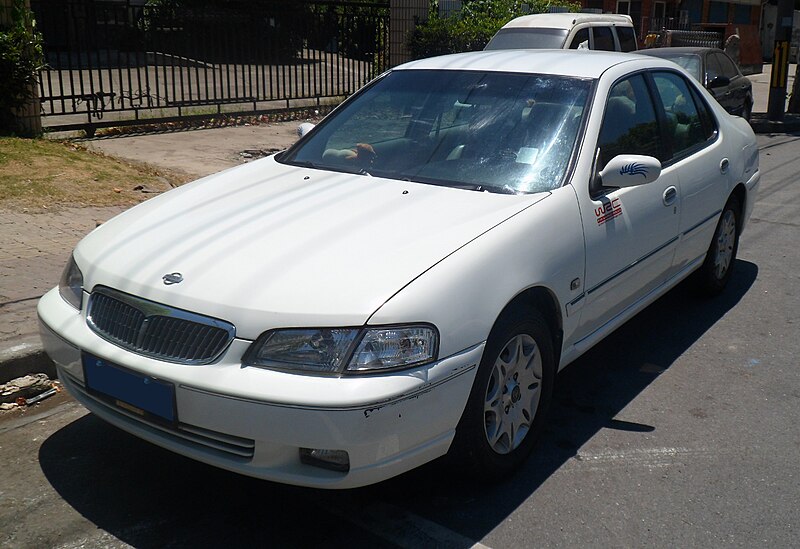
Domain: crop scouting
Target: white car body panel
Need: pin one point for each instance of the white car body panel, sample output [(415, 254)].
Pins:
[(268, 245), (263, 238), (522, 257)]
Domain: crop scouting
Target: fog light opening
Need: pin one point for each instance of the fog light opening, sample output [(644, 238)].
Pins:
[(333, 460)]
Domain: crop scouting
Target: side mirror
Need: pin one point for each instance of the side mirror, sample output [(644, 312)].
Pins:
[(304, 128), (719, 82), (630, 170)]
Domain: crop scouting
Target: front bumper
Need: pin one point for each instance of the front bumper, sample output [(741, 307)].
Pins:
[(254, 421)]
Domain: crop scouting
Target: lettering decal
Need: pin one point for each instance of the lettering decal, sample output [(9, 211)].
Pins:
[(634, 168), (607, 211)]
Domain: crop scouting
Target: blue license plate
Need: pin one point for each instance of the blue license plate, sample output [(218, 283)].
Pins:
[(143, 395)]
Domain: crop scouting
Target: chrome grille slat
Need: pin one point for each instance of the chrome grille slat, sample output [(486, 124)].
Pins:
[(156, 330)]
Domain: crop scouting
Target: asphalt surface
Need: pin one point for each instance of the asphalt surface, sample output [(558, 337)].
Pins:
[(681, 429)]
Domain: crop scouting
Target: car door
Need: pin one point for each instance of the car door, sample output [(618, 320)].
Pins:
[(736, 92), (694, 152), (630, 233), (721, 93)]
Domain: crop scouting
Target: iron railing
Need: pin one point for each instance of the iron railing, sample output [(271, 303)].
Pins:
[(115, 62)]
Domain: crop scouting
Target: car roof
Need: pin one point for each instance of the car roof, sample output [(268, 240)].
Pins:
[(580, 63), (566, 20)]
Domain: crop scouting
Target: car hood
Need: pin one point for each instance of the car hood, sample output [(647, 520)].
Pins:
[(267, 245)]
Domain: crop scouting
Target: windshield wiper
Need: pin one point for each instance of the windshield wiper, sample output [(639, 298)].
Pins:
[(505, 189)]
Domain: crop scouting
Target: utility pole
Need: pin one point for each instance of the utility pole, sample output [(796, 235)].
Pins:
[(780, 60)]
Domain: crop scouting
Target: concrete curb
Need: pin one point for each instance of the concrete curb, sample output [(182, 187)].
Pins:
[(23, 359), (789, 124)]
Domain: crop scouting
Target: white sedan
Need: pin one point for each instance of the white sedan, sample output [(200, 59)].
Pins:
[(409, 277)]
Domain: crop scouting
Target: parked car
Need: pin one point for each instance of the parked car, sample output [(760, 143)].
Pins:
[(408, 278), (714, 69), (608, 32)]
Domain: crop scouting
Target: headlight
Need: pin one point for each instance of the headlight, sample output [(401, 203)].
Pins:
[(338, 350), (314, 350), (71, 284), (396, 347)]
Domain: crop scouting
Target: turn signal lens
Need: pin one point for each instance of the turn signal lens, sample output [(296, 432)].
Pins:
[(71, 284)]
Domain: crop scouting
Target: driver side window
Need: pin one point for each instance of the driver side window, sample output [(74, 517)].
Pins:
[(629, 124)]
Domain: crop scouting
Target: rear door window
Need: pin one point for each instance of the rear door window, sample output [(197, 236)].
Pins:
[(603, 39), (627, 38), (687, 128)]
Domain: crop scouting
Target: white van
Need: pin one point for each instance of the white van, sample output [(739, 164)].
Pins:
[(609, 32)]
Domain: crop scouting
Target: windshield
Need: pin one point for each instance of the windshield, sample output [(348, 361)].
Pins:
[(527, 39), (475, 130)]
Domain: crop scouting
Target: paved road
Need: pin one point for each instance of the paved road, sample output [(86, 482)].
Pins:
[(681, 429)]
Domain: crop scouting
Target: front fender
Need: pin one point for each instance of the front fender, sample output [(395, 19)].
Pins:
[(463, 294)]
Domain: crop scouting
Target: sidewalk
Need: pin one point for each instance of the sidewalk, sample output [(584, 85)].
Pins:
[(36, 246), (790, 123)]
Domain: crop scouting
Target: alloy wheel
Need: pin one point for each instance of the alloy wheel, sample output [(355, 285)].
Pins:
[(512, 394), (726, 239)]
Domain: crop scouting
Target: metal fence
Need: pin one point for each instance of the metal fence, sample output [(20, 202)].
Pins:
[(116, 62)]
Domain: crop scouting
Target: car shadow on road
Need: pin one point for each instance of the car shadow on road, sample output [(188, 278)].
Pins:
[(148, 497)]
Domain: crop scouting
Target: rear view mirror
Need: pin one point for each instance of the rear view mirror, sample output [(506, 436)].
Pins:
[(630, 170)]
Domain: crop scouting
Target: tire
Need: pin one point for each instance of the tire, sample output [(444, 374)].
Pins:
[(747, 110), (510, 396), (716, 270)]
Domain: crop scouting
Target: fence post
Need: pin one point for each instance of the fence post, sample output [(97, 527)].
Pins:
[(402, 20), (28, 118)]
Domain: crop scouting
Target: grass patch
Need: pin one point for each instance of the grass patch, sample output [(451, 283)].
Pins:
[(38, 174)]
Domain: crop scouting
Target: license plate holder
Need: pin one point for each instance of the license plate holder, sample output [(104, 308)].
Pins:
[(143, 395)]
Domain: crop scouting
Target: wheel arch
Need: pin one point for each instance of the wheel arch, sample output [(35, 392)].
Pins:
[(543, 300), (740, 192)]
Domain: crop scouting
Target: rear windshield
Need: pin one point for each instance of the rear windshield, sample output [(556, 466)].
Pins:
[(527, 39)]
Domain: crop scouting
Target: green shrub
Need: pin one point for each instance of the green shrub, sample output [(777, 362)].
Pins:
[(473, 26), (21, 57)]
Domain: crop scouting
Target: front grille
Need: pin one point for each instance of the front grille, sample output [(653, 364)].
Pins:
[(156, 330)]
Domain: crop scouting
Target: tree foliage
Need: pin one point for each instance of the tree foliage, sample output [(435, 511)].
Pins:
[(473, 26), (21, 57)]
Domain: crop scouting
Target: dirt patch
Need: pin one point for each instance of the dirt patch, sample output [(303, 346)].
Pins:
[(38, 175)]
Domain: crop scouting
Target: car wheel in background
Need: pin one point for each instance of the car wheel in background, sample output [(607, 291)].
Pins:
[(713, 276), (747, 111), (509, 398)]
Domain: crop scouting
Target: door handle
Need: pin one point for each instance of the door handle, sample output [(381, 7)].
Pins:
[(723, 165), (670, 195)]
